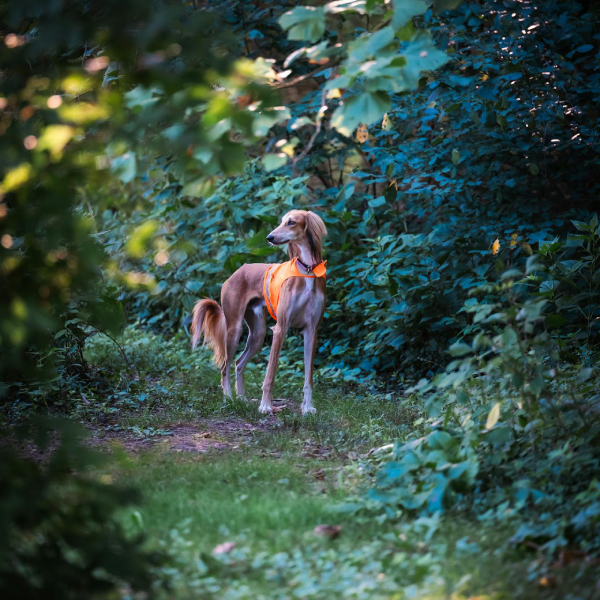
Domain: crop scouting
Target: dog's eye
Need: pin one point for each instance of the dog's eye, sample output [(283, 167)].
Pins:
[(290, 223)]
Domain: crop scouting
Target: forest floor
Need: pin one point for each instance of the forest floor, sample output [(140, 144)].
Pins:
[(265, 507)]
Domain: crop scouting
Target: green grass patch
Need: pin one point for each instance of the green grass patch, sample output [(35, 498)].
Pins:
[(271, 504)]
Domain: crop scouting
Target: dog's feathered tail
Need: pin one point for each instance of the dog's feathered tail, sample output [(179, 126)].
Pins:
[(208, 321)]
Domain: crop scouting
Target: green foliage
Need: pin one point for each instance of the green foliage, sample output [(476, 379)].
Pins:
[(60, 537), (426, 472), (374, 64), (144, 164), (80, 103), (514, 428)]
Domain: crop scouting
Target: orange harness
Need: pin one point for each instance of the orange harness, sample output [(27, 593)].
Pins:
[(278, 274)]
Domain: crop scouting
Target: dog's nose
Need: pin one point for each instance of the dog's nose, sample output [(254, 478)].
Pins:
[(270, 237)]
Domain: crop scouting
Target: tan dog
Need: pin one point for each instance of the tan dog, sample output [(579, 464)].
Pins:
[(301, 304)]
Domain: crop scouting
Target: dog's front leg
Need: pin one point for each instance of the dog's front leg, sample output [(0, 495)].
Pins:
[(310, 345), (266, 405)]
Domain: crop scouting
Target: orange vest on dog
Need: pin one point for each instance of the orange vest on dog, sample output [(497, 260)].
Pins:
[(277, 275)]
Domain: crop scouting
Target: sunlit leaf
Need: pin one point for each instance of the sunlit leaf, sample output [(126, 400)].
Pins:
[(55, 138), (304, 23), (16, 177), (203, 186), (405, 10), (493, 416), (338, 6), (138, 241), (271, 162), (82, 112)]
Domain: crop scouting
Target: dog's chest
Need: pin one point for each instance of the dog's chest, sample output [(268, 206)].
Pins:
[(307, 302)]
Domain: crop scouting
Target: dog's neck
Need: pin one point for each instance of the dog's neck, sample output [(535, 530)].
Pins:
[(304, 256)]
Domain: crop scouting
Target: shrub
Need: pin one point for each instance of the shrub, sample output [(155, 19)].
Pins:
[(59, 535)]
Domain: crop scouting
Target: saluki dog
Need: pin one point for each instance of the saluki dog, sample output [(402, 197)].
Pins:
[(293, 293)]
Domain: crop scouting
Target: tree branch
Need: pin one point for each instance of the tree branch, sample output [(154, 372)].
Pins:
[(313, 137), (300, 79)]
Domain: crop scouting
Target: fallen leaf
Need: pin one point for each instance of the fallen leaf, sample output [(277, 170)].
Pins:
[(386, 123), (224, 548), (548, 581), (330, 531), (362, 133)]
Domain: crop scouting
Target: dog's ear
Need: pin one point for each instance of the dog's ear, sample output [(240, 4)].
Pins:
[(314, 224), (315, 232)]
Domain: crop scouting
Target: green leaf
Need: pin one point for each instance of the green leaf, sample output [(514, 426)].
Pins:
[(584, 374), (369, 46), (405, 10), (125, 167), (274, 161), (421, 55), (366, 108), (376, 202), (549, 286), (493, 416), (141, 96), (459, 349), (199, 187), (304, 23), (581, 226)]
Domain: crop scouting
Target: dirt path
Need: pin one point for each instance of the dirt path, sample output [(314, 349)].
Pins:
[(203, 435)]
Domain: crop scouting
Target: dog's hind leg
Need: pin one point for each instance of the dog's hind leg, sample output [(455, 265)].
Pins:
[(310, 345), (234, 331), (256, 319)]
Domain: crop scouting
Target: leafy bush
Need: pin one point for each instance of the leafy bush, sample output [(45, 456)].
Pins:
[(426, 472), (512, 429), (59, 532)]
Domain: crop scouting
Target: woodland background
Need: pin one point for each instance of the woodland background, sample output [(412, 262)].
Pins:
[(452, 149)]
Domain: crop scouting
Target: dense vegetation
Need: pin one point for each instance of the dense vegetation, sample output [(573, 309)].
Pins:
[(451, 148)]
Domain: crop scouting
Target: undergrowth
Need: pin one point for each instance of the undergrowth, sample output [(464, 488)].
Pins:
[(243, 522)]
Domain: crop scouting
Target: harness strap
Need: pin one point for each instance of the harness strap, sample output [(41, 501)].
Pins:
[(266, 290), (318, 270)]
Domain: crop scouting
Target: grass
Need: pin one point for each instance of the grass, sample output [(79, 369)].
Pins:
[(272, 504), (269, 508), (272, 486)]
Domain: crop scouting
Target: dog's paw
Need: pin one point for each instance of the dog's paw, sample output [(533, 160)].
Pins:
[(265, 409), (308, 410)]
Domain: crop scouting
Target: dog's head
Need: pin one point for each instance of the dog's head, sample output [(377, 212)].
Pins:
[(300, 227)]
